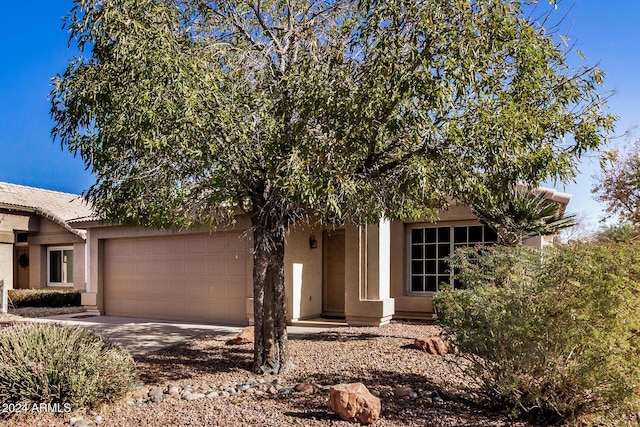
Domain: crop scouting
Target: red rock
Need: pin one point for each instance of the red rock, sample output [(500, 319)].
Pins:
[(245, 336), (354, 403), (432, 345)]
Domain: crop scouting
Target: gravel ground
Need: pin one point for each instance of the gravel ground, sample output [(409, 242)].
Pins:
[(381, 358)]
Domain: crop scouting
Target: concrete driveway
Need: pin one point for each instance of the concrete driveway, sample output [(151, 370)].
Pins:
[(141, 336)]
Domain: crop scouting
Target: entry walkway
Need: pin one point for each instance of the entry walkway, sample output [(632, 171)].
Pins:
[(141, 336)]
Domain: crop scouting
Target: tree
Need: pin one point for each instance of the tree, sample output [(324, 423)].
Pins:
[(301, 111), (618, 184), (520, 214), (618, 233)]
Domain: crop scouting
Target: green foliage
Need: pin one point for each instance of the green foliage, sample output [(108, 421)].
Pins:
[(624, 232), (44, 298), (48, 363), (551, 334), (519, 214), (185, 110)]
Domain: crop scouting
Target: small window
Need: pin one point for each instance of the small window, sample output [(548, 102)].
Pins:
[(60, 266), (22, 237)]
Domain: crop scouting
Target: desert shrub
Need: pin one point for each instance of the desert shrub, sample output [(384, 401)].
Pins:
[(48, 363), (44, 298), (552, 334)]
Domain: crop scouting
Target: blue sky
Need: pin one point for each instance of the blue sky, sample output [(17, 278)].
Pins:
[(34, 48)]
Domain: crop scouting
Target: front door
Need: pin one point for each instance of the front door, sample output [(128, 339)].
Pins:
[(333, 277), (21, 268)]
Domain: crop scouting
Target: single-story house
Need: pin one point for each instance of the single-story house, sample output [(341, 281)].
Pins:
[(38, 247), (366, 275)]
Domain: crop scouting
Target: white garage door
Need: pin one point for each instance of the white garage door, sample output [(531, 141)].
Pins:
[(201, 278)]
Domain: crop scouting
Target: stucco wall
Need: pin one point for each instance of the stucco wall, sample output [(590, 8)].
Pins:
[(6, 261), (11, 221), (52, 234), (79, 279)]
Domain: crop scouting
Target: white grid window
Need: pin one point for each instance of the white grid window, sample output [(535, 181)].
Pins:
[(429, 246)]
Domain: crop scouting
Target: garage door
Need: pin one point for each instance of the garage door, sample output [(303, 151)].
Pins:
[(201, 278)]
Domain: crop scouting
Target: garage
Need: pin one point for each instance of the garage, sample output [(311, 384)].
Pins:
[(196, 278)]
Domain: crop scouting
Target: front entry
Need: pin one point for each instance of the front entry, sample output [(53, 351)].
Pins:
[(21, 268), (333, 273)]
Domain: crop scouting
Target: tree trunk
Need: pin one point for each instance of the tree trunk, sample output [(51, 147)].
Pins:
[(269, 305)]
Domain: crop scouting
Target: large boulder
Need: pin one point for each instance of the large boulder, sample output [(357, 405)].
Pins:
[(354, 403), (432, 345)]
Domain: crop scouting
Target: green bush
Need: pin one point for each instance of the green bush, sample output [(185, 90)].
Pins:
[(48, 363), (554, 335), (44, 298)]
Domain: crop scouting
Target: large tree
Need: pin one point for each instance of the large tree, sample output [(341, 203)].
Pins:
[(618, 184), (315, 110)]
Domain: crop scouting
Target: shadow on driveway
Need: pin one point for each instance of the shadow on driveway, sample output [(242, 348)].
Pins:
[(141, 336)]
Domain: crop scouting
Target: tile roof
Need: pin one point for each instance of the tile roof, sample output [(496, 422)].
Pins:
[(56, 206)]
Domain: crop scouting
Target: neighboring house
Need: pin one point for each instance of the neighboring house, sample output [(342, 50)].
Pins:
[(364, 274), (38, 247)]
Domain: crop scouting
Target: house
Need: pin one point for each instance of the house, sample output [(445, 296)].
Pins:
[(38, 246), (367, 275)]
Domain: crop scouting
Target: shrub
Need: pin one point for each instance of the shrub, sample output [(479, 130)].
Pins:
[(48, 363), (553, 334), (44, 298)]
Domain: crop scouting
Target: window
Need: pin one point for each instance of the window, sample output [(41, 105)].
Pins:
[(60, 266), (429, 246)]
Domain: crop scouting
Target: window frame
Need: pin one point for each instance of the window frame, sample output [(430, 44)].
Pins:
[(437, 260), (64, 283)]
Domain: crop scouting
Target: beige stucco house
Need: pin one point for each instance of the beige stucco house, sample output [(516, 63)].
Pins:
[(38, 247), (366, 275)]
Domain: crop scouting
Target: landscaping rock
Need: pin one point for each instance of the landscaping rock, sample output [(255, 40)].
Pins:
[(304, 388), (432, 345), (244, 337), (402, 391), (354, 403), (193, 396), (156, 391), (285, 390), (156, 398), (83, 423), (140, 393)]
